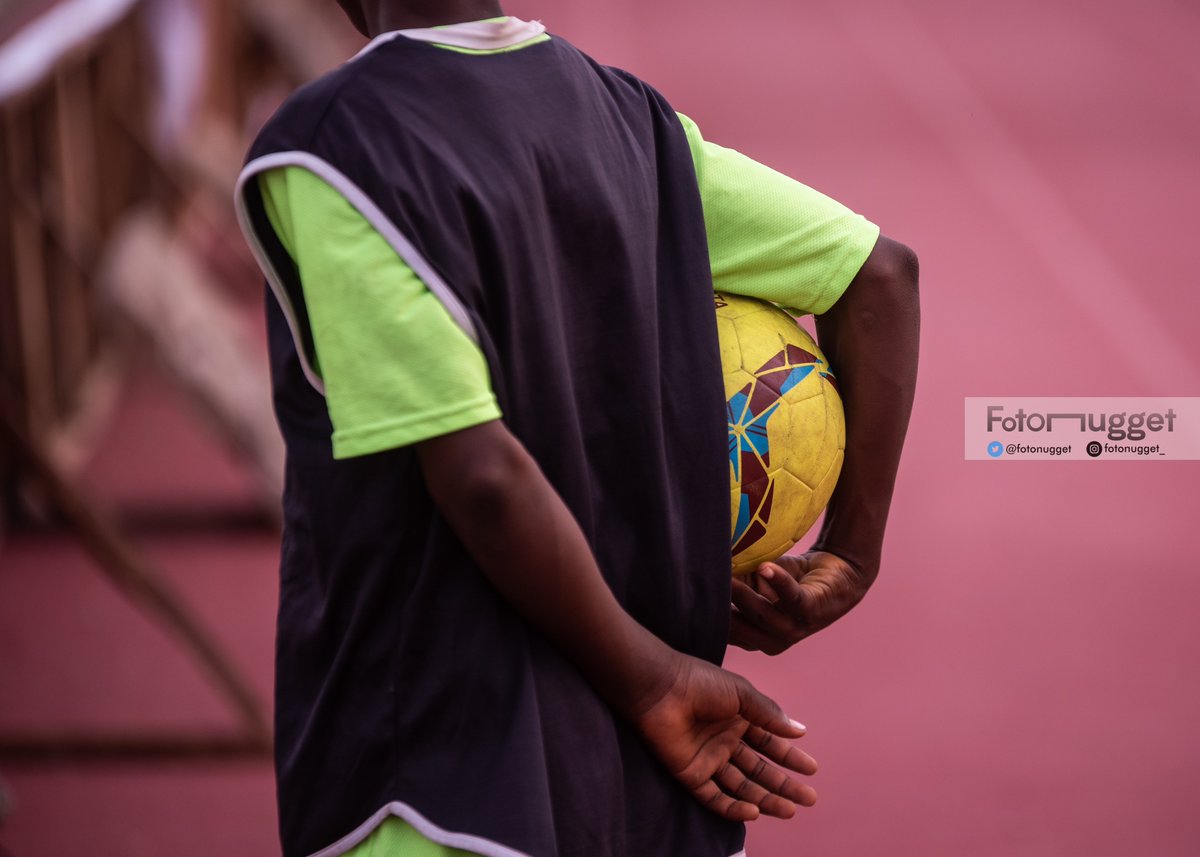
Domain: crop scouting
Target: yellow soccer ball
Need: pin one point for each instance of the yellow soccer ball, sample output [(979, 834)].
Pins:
[(787, 430)]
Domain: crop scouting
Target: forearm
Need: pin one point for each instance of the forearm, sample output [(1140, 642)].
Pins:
[(528, 544), (870, 337), (712, 730)]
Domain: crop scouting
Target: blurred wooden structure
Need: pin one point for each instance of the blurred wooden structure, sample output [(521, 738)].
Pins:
[(56, 141), (108, 228), (79, 154)]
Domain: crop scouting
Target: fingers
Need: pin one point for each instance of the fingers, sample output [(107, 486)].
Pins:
[(715, 800), (742, 788), (779, 751), (748, 785), (794, 565), (784, 586), (776, 618), (761, 783)]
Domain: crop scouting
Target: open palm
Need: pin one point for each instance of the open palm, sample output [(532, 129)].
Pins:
[(722, 740)]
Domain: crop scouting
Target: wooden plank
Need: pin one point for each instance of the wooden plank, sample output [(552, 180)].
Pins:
[(9, 344), (38, 748), (74, 322), (76, 158), (155, 283), (35, 361)]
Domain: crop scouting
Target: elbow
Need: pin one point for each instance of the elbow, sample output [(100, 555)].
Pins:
[(895, 267), (887, 287), (878, 313), (885, 290), (492, 489)]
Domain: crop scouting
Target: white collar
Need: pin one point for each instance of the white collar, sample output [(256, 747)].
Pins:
[(490, 35)]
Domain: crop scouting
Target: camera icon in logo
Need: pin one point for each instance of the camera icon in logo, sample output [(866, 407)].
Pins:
[(1094, 449)]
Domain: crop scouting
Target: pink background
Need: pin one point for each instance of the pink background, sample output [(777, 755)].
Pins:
[(1022, 678)]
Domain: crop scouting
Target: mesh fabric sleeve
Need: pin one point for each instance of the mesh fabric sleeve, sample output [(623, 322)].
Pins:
[(396, 367), (772, 237)]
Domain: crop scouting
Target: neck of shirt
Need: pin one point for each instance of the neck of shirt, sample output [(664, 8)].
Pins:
[(492, 35)]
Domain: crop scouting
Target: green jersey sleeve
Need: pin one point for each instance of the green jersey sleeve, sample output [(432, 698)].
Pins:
[(396, 367), (771, 237)]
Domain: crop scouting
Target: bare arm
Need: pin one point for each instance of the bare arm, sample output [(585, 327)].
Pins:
[(707, 725), (871, 339)]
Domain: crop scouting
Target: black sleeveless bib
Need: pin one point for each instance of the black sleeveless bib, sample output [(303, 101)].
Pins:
[(552, 205)]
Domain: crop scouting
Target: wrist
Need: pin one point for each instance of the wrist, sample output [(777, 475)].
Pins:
[(634, 670), (855, 537)]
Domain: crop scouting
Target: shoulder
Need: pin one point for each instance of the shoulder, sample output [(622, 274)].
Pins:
[(635, 87), (617, 80)]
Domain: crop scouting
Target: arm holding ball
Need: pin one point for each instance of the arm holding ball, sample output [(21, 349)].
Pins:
[(871, 339)]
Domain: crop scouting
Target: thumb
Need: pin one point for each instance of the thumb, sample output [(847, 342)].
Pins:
[(760, 710)]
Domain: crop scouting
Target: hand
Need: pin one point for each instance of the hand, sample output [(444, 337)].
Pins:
[(718, 736), (792, 599)]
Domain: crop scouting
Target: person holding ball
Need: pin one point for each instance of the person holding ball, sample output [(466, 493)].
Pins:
[(505, 575)]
